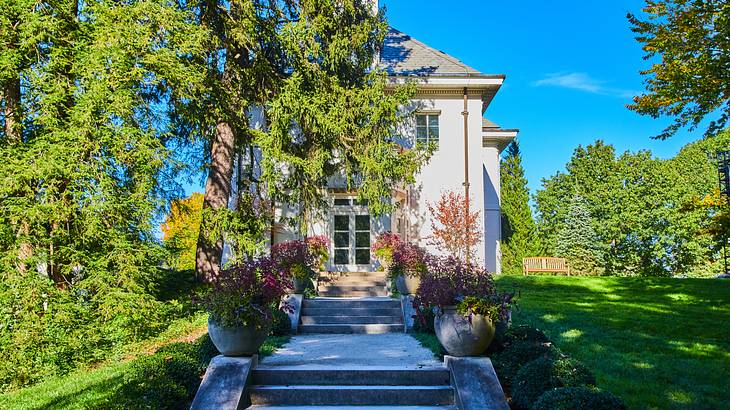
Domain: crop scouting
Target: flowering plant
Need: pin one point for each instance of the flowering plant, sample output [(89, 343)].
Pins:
[(409, 260), (301, 257), (451, 282), (384, 246), (247, 294), (318, 247)]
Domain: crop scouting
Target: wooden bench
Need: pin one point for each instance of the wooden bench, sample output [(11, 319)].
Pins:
[(545, 264)]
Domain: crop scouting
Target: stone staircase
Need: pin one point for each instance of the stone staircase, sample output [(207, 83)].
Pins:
[(352, 284), (302, 387), (340, 315)]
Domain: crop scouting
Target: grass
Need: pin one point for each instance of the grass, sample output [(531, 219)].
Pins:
[(430, 342), (658, 343), (92, 387)]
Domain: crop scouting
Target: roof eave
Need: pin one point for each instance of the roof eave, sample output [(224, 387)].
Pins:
[(498, 137)]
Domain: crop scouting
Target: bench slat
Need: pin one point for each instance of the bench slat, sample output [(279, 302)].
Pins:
[(545, 264)]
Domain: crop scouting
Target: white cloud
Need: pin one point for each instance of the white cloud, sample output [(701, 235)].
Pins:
[(583, 82)]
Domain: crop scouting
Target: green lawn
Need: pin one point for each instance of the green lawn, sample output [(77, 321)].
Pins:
[(92, 388), (656, 342)]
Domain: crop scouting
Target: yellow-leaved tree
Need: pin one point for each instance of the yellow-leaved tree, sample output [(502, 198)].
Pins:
[(181, 229)]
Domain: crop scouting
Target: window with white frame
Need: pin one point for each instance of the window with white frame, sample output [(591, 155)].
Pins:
[(427, 129)]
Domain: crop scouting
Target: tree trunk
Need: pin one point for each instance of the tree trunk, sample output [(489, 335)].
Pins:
[(217, 193), (11, 95)]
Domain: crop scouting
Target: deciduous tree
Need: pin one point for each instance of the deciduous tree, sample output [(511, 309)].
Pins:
[(688, 42), (455, 229)]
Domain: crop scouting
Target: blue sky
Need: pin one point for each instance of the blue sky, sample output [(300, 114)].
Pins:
[(571, 68)]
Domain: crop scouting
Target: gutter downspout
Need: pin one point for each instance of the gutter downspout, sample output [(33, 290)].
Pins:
[(465, 113)]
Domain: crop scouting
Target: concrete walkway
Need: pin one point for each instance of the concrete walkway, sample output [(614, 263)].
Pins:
[(351, 350)]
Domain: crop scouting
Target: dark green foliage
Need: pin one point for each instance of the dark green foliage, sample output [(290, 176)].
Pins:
[(519, 231), (524, 333), (166, 380), (511, 359), (578, 242), (546, 373), (282, 324), (578, 398), (85, 171), (505, 337), (640, 207), (206, 349)]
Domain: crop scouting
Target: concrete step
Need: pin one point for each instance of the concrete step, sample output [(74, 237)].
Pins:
[(337, 275), (325, 320), (351, 395), (346, 293), (264, 407), (358, 376), (350, 288), (351, 328), (352, 311), (344, 303), (353, 282)]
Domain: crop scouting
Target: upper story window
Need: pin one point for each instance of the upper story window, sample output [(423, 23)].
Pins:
[(427, 129)]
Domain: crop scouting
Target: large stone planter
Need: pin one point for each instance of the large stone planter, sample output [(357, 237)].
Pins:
[(237, 341), (460, 337), (407, 285), (299, 285)]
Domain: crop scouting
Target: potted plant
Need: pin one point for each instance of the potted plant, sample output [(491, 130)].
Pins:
[(241, 302), (466, 302), (407, 265), (384, 246), (300, 258)]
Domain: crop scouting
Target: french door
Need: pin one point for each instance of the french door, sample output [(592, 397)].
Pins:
[(351, 239)]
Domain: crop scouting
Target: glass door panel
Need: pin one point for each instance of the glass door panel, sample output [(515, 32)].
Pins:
[(342, 240), (362, 239)]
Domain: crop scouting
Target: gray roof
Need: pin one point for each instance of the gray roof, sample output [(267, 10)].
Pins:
[(403, 55)]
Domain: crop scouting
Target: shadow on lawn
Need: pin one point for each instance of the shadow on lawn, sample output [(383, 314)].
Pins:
[(657, 342)]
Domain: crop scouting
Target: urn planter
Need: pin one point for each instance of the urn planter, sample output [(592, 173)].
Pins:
[(461, 336), (407, 285), (237, 341), (299, 285)]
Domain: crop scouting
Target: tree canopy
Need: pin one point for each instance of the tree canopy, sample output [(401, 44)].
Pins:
[(688, 42), (641, 208)]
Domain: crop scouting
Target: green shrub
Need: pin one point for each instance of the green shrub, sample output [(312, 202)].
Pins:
[(578, 398), (505, 337), (546, 373), (527, 334), (206, 349), (166, 380), (514, 356), (282, 324)]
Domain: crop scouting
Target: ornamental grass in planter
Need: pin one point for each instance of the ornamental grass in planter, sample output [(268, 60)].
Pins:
[(466, 303), (241, 303)]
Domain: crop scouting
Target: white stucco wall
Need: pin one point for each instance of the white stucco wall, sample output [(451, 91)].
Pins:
[(445, 171)]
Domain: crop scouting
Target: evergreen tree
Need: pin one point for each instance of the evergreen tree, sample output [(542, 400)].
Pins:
[(578, 241), (85, 149), (519, 232), (309, 66)]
